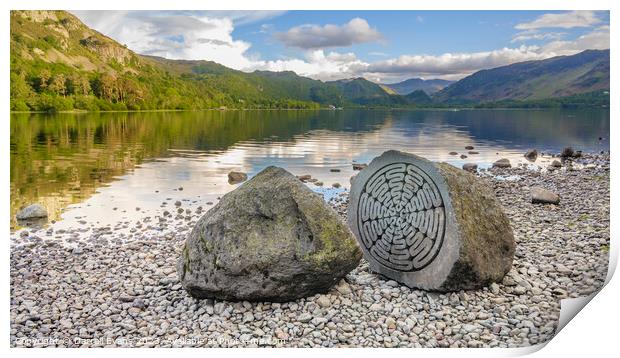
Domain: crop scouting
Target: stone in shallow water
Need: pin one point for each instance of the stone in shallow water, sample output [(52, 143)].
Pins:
[(271, 239), (502, 163), (470, 167), (531, 155), (430, 226), (567, 152), (237, 177), (34, 211)]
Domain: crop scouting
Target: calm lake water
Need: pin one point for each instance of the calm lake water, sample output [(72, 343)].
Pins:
[(102, 167)]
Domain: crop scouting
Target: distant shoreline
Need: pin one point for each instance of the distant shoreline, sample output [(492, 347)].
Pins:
[(449, 109)]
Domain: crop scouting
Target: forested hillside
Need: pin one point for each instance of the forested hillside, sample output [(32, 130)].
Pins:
[(58, 63)]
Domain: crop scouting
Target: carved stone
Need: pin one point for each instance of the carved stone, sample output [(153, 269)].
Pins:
[(429, 226)]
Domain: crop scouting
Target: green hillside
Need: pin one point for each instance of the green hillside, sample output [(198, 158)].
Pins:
[(419, 97), (58, 63), (562, 76)]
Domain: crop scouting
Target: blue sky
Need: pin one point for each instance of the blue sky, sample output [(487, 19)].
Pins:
[(383, 46)]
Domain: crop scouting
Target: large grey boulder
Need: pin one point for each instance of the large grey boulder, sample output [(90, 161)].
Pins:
[(34, 211), (430, 226), (271, 239)]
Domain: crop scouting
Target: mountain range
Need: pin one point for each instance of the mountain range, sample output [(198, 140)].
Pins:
[(58, 63), (413, 84), (555, 77)]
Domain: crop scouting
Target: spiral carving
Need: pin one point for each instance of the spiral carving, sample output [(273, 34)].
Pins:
[(401, 217)]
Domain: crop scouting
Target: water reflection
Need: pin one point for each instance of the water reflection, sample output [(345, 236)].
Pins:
[(99, 162)]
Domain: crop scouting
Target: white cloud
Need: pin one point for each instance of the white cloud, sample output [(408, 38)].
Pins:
[(595, 40), (314, 36), (566, 20), (450, 65), (317, 64), (184, 35), (455, 66), (534, 35), (196, 36)]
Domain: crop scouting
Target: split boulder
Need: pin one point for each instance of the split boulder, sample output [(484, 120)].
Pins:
[(429, 225)]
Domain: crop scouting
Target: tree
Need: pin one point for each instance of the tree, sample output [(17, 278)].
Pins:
[(41, 81), (78, 85), (129, 92), (58, 85), (104, 87), (19, 86)]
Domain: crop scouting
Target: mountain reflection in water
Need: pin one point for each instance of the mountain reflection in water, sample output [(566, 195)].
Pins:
[(102, 161)]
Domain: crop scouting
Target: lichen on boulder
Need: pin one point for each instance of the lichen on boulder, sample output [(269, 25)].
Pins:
[(487, 247), (271, 239)]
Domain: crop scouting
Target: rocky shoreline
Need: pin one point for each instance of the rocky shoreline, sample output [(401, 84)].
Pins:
[(105, 287)]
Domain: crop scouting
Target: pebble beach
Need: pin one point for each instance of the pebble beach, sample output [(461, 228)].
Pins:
[(117, 285)]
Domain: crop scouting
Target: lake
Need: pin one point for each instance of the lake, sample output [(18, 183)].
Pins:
[(111, 167)]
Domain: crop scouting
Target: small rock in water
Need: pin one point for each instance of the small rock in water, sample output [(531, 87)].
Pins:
[(544, 196), (177, 203), (336, 185), (463, 156), (473, 152), (556, 164), (357, 166), (567, 152), (469, 147), (237, 177), (304, 177), (453, 153), (531, 155), (335, 170), (502, 163), (31, 212), (470, 167)]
